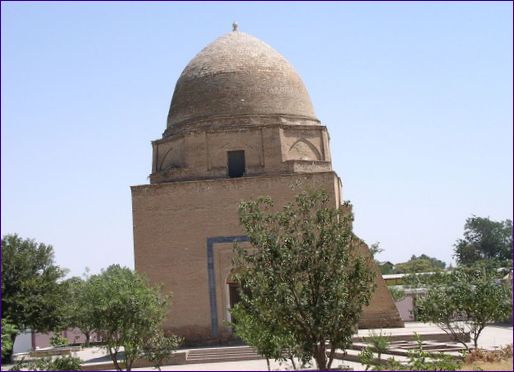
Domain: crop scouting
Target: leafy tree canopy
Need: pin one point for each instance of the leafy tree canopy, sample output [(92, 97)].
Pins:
[(421, 264), (79, 308), (32, 296), (485, 239), (307, 270), (31, 292), (127, 312), (386, 267), (464, 300), (8, 330)]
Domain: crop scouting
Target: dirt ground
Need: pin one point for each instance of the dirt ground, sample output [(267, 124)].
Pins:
[(504, 365)]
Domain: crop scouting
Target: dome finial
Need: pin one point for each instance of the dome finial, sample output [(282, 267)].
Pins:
[(235, 26)]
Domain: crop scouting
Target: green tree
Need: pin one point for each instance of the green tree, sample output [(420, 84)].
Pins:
[(127, 313), (377, 343), (374, 250), (462, 301), (397, 292), (80, 307), (421, 264), (32, 296), (386, 268), (485, 239), (308, 269), (259, 328), (159, 347), (8, 330)]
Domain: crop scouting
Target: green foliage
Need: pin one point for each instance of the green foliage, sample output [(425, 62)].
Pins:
[(421, 360), (127, 312), (58, 340), (9, 331), (386, 267), (32, 297), (418, 359), (375, 249), (159, 347), (397, 293), (65, 363), (79, 308), (259, 328), (307, 275), (465, 300), (421, 264), (379, 343), (485, 239), (367, 359)]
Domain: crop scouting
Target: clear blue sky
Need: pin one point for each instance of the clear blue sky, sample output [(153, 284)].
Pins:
[(417, 98)]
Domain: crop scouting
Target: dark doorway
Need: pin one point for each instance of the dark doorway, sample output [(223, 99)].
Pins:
[(236, 163), (234, 296)]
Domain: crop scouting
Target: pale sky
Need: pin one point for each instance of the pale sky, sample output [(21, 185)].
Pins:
[(417, 98)]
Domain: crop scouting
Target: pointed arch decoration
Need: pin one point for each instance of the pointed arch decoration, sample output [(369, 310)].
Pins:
[(303, 149)]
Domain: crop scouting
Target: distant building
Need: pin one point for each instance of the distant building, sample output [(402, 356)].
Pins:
[(241, 125)]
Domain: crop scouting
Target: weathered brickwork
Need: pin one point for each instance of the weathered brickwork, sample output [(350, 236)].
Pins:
[(238, 94), (273, 148), (172, 222), (238, 74)]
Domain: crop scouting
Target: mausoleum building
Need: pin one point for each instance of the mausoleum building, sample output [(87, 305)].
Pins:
[(240, 125)]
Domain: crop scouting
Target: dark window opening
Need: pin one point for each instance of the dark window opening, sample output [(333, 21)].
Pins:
[(236, 163)]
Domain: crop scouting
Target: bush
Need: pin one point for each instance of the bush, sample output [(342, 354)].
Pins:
[(379, 343), (397, 293), (419, 359), (8, 331), (160, 347), (480, 355), (58, 340), (66, 363)]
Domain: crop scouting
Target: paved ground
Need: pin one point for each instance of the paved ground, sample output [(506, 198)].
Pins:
[(492, 336)]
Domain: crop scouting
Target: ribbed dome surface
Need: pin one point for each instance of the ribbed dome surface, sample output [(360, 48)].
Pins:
[(238, 75)]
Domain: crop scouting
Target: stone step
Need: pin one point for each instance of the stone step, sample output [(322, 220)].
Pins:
[(224, 354), (222, 358), (401, 355), (400, 344), (352, 355), (222, 351), (208, 355), (403, 348)]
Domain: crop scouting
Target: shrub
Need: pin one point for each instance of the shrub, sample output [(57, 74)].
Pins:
[(65, 363), (418, 359), (58, 340)]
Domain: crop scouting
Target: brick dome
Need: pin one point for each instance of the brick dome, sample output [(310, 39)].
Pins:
[(238, 75)]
